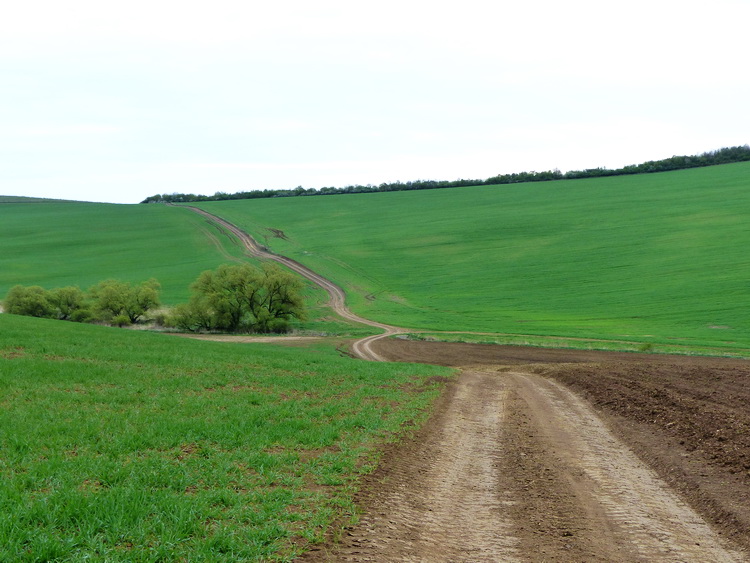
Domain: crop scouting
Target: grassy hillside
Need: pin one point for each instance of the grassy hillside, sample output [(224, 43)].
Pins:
[(23, 199), (654, 257), (129, 446), (71, 243)]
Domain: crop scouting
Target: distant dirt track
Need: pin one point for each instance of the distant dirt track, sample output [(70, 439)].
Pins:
[(525, 456), (336, 296)]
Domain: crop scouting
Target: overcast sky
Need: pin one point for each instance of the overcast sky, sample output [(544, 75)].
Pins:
[(105, 101)]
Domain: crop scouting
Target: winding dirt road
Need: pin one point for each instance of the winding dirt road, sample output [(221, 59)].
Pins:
[(336, 296), (512, 466)]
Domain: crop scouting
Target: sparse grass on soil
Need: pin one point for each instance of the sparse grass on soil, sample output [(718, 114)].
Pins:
[(129, 446), (658, 258)]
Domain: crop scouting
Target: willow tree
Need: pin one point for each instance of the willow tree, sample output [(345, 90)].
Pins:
[(243, 298), (121, 302)]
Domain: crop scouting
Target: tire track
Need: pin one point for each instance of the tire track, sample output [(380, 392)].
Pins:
[(444, 501), (624, 501)]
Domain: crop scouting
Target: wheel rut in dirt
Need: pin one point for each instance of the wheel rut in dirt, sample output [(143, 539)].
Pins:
[(514, 467), (442, 501), (624, 511)]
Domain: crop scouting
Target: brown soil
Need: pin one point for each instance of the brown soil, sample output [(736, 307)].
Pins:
[(566, 483)]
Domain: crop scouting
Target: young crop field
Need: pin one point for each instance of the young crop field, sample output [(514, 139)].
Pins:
[(651, 258), (118, 445), (56, 244)]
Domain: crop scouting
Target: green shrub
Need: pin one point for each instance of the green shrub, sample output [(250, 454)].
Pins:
[(110, 301), (113, 298), (121, 320), (241, 298), (32, 301), (70, 303)]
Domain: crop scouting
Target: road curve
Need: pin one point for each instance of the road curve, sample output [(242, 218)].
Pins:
[(336, 296)]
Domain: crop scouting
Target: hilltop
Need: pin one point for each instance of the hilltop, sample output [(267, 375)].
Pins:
[(23, 199), (712, 158)]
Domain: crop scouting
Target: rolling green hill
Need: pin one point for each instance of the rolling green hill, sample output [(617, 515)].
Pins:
[(122, 445), (646, 258), (652, 258), (55, 244), (23, 199)]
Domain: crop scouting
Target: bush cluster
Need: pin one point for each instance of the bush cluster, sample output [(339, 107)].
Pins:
[(236, 298), (111, 301)]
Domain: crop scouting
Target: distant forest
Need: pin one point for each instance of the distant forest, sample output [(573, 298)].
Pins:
[(721, 156)]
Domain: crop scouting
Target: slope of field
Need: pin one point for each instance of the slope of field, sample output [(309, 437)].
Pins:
[(73, 243), (649, 258), (23, 199), (128, 446)]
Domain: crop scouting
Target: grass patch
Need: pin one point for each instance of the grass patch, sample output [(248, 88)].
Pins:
[(60, 244), (129, 446), (653, 257), (23, 199)]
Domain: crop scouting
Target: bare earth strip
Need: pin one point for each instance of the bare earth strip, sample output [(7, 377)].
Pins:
[(443, 500), (514, 467), (511, 467)]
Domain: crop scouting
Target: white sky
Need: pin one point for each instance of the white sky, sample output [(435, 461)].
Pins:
[(106, 101)]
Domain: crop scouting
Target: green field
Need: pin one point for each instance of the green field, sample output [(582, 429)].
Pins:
[(123, 445), (61, 244), (129, 446), (648, 258), (22, 199), (56, 244)]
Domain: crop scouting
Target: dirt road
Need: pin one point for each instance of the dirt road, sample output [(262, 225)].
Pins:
[(514, 466), (565, 474)]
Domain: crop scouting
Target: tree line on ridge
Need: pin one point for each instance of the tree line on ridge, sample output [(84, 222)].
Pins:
[(722, 156)]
